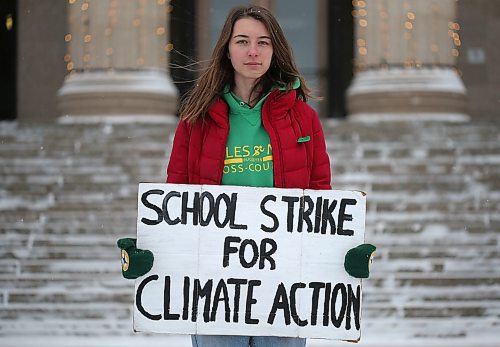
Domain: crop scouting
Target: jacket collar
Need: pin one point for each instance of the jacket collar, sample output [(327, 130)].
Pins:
[(275, 107), (279, 103)]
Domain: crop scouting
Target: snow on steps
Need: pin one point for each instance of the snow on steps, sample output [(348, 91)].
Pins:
[(68, 191)]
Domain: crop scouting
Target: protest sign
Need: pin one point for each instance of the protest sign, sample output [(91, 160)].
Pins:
[(249, 261)]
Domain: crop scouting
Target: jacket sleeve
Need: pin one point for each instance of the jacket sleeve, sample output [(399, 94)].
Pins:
[(320, 172), (177, 170)]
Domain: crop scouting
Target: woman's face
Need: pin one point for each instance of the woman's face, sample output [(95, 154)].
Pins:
[(250, 49)]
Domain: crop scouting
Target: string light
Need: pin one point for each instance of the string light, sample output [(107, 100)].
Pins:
[(140, 28), (161, 32), (384, 30), (453, 33), (423, 37), (85, 54), (434, 29), (108, 33), (409, 24), (169, 47), (360, 14), (68, 39), (9, 22), (87, 37)]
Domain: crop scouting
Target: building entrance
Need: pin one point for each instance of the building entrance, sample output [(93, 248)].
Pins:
[(340, 55), (8, 59)]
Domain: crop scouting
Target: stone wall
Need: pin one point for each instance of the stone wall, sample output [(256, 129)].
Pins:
[(40, 58), (480, 24)]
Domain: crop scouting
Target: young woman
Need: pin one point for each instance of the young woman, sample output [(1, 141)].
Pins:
[(246, 122)]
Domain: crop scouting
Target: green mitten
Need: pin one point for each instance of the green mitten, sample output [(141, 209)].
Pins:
[(135, 262), (358, 259)]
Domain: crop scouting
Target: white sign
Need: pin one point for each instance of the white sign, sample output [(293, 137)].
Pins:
[(249, 261)]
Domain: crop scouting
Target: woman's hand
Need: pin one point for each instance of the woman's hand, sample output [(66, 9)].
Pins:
[(135, 262), (358, 260)]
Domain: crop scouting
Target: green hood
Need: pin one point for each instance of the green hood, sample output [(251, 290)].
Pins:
[(238, 106)]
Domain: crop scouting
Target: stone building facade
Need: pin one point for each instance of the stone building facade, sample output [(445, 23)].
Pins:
[(478, 61), (117, 59), (69, 189), (406, 59), (60, 75)]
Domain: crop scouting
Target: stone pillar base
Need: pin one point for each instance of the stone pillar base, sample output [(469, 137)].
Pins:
[(433, 93), (144, 92)]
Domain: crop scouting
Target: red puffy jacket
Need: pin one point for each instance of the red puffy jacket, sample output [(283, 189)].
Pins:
[(300, 159)]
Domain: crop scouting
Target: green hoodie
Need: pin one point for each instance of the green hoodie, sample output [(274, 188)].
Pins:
[(249, 158)]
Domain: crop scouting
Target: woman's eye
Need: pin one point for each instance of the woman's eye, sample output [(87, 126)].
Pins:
[(241, 42)]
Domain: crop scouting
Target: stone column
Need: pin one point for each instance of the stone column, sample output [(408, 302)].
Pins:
[(117, 59), (406, 52)]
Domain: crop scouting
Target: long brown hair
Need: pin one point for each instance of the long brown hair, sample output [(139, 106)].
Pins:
[(210, 85)]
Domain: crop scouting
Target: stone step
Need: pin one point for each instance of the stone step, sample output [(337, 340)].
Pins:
[(68, 192), (44, 281), (71, 311), (485, 294), (98, 309), (93, 328)]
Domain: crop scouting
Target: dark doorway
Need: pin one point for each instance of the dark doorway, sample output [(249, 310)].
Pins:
[(340, 55), (8, 66), (183, 56)]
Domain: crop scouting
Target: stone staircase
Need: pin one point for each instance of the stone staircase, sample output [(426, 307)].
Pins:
[(434, 213), (68, 191)]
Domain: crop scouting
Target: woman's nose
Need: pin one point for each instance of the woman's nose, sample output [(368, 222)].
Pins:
[(252, 50)]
